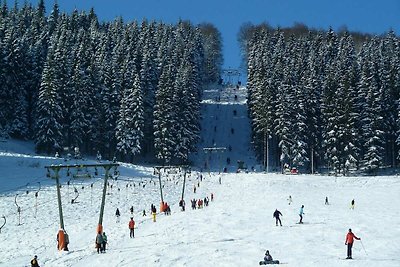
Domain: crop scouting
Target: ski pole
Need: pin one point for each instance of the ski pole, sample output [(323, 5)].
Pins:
[(363, 248)]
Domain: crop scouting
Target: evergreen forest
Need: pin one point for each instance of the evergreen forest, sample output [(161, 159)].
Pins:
[(129, 90)]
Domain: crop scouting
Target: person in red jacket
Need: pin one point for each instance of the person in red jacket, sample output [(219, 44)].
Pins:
[(132, 228), (349, 242)]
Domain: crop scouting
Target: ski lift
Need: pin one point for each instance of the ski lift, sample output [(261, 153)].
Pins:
[(5, 221), (78, 173), (73, 201), (18, 209)]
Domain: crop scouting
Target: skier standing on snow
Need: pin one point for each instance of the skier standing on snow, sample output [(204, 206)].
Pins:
[(290, 200), (326, 201), (99, 242), (132, 228), (352, 204), (103, 249), (131, 210), (301, 213), (349, 242), (117, 214), (276, 215), (34, 262)]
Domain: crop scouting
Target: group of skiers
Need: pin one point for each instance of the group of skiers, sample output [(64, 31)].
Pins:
[(101, 241), (200, 203), (349, 237)]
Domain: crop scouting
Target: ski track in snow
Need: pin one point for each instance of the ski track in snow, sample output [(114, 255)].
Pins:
[(236, 228)]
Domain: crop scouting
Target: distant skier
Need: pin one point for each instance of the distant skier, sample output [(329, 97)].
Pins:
[(194, 189), (276, 215), (212, 197), (352, 204), (131, 209), (34, 262), (103, 248), (301, 213), (326, 201), (290, 200), (153, 212), (144, 213), (349, 242), (66, 241), (117, 214), (268, 259), (131, 226), (99, 242), (182, 204)]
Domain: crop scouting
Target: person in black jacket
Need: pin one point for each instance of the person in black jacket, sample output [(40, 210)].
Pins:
[(34, 262), (276, 215)]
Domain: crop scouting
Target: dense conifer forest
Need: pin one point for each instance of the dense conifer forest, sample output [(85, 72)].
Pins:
[(125, 89), (319, 100)]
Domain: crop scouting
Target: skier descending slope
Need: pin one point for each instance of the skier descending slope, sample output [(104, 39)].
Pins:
[(301, 213), (276, 215)]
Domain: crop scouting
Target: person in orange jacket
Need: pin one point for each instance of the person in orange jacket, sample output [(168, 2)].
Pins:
[(132, 228), (349, 242)]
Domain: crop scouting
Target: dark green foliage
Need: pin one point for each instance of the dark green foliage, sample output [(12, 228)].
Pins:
[(317, 99), (123, 89)]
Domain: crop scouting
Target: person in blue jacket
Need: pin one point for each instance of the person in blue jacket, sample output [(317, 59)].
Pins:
[(301, 213)]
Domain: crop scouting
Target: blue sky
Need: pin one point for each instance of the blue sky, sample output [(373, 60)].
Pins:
[(372, 16)]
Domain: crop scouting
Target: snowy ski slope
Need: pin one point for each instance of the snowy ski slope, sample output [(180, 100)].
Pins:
[(234, 230)]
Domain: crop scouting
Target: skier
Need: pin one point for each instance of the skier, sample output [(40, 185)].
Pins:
[(66, 241), (268, 259), (182, 204), (349, 242), (117, 214), (132, 228), (352, 205), (212, 197), (34, 262), (131, 210), (153, 212), (276, 215), (301, 213), (326, 201), (98, 156), (194, 189), (99, 242), (290, 200), (103, 249), (144, 213)]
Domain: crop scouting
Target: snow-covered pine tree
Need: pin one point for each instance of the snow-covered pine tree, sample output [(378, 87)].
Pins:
[(49, 135), (129, 130), (164, 116)]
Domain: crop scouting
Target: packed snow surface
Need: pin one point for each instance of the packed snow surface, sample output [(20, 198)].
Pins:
[(234, 230)]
